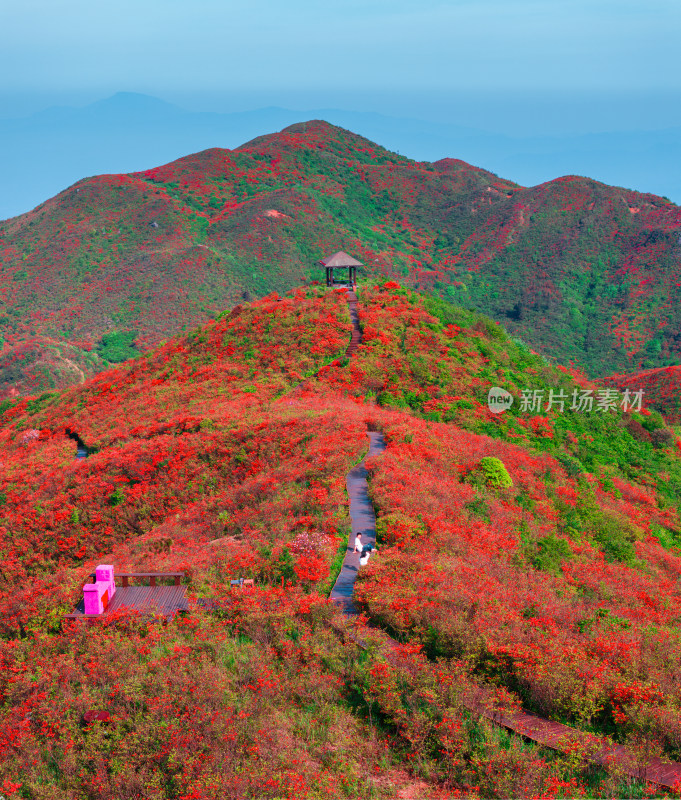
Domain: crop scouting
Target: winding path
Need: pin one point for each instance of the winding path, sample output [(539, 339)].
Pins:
[(356, 330), (363, 523), (537, 729), (82, 450)]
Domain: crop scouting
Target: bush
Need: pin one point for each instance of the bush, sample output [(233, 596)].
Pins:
[(652, 422), (637, 430), (573, 466), (392, 400), (616, 542), (495, 472), (550, 553), (661, 437), (479, 507), (614, 533), (118, 346), (669, 539), (398, 529)]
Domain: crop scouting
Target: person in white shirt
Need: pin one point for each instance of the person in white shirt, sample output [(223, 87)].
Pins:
[(367, 551), (358, 543)]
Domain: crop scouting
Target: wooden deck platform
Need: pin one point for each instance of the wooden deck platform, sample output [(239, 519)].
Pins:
[(151, 599)]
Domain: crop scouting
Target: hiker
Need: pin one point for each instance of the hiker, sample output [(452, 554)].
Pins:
[(358, 543)]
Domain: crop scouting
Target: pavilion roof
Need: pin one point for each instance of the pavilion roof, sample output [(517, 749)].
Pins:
[(340, 259)]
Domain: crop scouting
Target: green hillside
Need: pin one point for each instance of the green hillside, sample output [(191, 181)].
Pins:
[(583, 272)]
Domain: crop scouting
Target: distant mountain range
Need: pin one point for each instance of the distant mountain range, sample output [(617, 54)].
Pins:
[(581, 271), (44, 153)]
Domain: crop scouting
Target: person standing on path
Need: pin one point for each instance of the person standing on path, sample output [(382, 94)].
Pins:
[(358, 543)]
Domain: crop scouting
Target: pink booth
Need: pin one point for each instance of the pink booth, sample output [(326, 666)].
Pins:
[(99, 594)]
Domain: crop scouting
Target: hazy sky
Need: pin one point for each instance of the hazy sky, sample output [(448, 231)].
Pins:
[(275, 50)]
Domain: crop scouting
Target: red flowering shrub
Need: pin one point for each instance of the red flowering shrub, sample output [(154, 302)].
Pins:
[(310, 568), (566, 639), (398, 529), (206, 457)]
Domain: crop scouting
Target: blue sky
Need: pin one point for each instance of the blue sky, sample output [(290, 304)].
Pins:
[(384, 53)]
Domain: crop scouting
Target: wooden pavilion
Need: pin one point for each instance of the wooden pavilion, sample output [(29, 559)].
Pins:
[(340, 261)]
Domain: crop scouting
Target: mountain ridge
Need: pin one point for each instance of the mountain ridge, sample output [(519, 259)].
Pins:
[(68, 143), (585, 272)]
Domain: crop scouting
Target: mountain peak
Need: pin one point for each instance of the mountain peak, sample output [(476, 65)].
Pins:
[(133, 102), (258, 218), (314, 131), (312, 126), (318, 134)]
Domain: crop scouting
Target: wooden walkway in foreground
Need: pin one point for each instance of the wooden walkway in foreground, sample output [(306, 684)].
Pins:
[(545, 732), (595, 750)]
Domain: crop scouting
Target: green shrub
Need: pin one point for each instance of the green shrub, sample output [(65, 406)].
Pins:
[(479, 507), (6, 404), (615, 534), (652, 422), (41, 402), (495, 473), (118, 346), (116, 498), (603, 618), (495, 331), (550, 553), (392, 400), (573, 466), (671, 540), (615, 543)]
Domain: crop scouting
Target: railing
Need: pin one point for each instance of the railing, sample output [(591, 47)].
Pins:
[(242, 583), (125, 577)]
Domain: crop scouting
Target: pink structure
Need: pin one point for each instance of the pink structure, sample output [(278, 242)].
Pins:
[(99, 594)]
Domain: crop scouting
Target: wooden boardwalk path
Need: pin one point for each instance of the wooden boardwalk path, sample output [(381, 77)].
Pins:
[(356, 331), (666, 774), (595, 749), (363, 522)]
